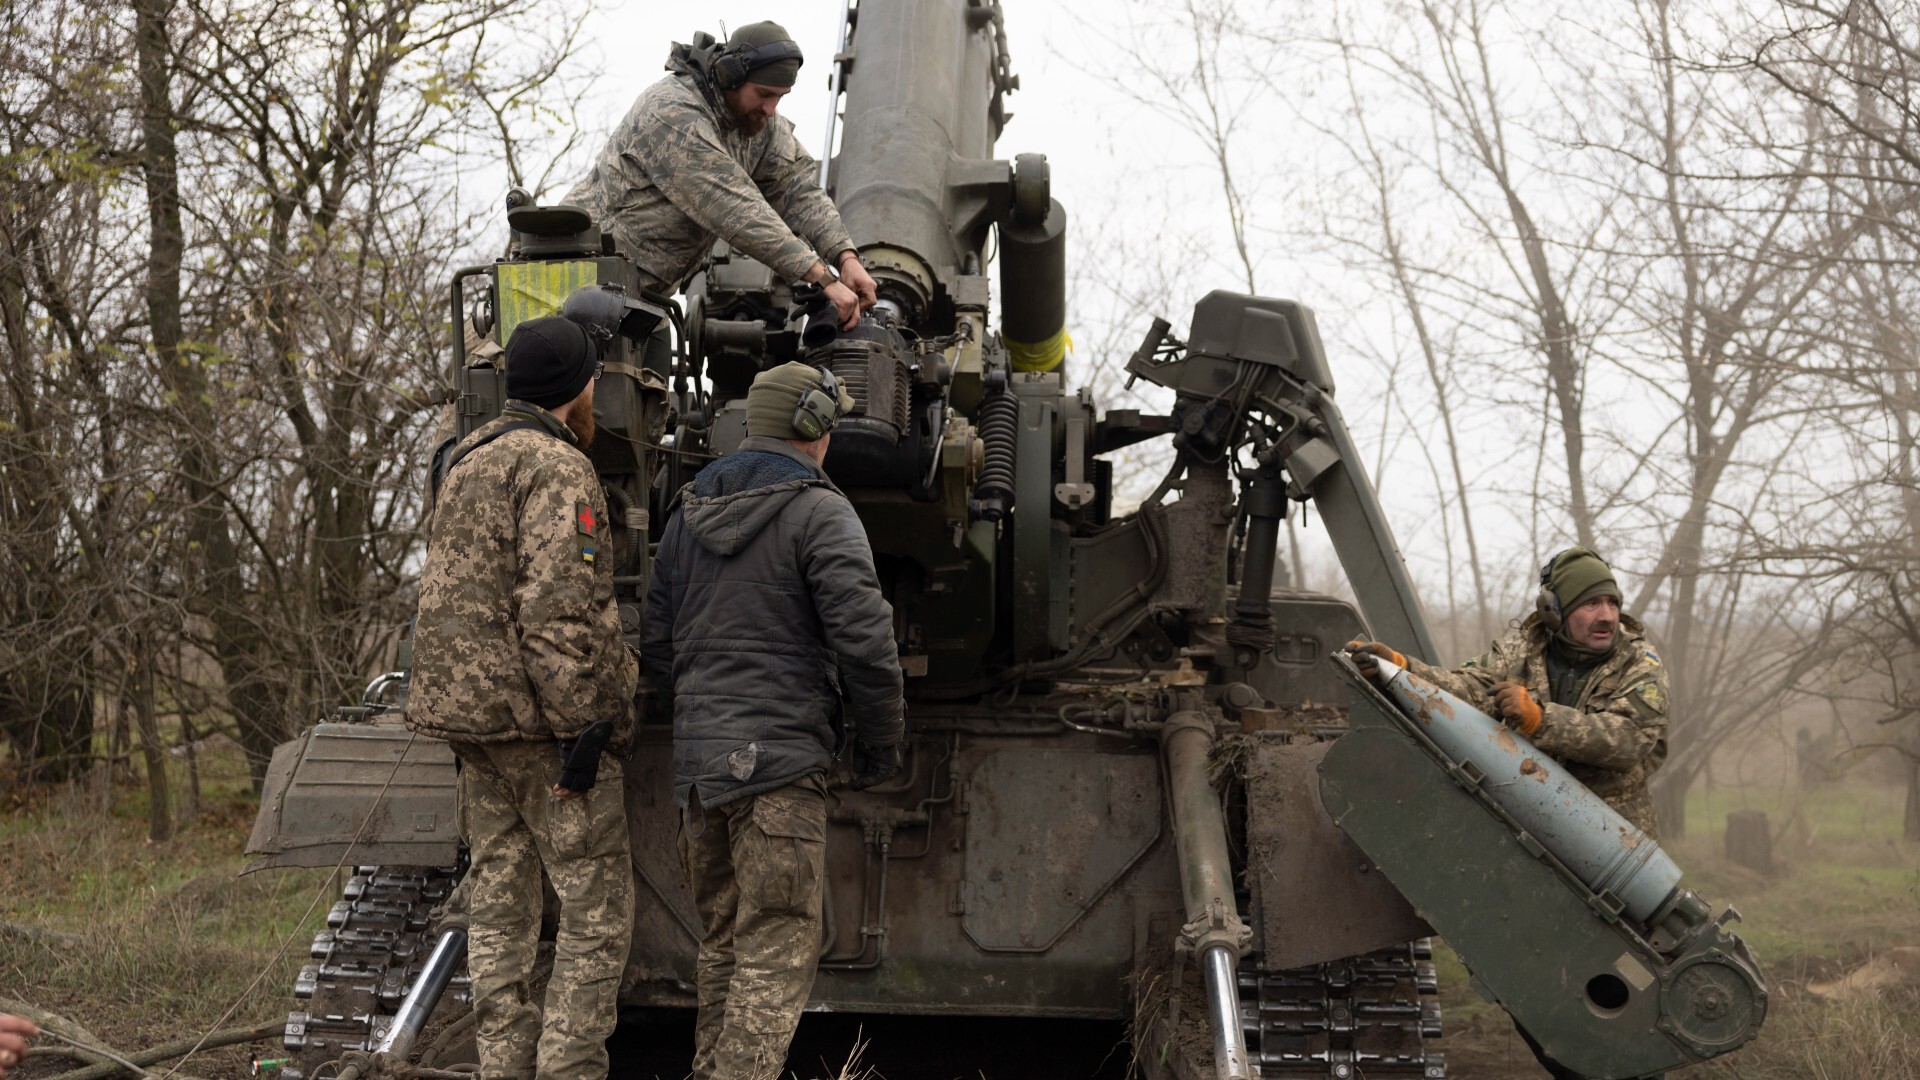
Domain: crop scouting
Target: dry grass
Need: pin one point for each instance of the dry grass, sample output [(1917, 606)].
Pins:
[(142, 943)]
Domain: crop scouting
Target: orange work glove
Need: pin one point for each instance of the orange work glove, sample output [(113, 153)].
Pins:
[(1515, 707), (1363, 653)]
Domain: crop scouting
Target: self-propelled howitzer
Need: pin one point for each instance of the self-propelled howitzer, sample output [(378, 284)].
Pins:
[(1114, 717)]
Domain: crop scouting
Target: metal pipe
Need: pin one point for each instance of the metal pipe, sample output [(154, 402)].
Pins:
[(1206, 877), (1213, 926), (1251, 631), (457, 304), (1223, 1011), (876, 930), (447, 955), (835, 84)]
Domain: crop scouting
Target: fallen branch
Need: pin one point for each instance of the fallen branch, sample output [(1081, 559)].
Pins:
[(169, 1051), (109, 1062)]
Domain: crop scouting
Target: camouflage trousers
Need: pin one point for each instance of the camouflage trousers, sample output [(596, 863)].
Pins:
[(515, 827), (756, 866)]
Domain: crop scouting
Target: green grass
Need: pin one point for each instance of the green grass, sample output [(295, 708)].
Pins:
[(1844, 885), (1844, 888)]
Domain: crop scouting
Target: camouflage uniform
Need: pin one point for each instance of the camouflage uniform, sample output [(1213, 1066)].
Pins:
[(756, 865), (679, 172), (1610, 735), (517, 644), (515, 826)]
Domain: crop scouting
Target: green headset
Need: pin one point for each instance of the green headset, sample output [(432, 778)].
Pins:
[(1548, 603), (731, 66), (818, 408)]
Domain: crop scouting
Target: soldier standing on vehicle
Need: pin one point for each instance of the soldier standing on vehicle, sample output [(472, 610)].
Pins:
[(702, 154), (1578, 678), (763, 610), (519, 664)]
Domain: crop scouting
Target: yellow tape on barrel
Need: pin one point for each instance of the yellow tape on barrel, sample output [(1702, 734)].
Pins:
[(1040, 356), (530, 290)]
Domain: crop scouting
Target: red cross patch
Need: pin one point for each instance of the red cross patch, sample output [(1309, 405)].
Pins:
[(583, 517)]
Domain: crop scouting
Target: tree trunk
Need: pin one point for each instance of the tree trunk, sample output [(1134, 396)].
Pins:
[(1670, 804), (221, 594), (1912, 820), (159, 801)]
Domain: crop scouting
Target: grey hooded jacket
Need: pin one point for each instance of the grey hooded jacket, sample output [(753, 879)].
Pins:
[(764, 606)]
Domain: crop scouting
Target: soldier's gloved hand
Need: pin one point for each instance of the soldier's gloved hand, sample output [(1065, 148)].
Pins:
[(1515, 707), (878, 764), (580, 759), (1364, 652)]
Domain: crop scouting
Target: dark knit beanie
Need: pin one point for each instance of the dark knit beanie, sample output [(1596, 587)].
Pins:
[(774, 395), (549, 361), (754, 35), (1578, 575)]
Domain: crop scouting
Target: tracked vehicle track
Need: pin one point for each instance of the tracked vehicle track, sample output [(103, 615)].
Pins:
[(363, 963), (1365, 1016)]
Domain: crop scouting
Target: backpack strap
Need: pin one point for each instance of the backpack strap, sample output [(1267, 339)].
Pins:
[(459, 454)]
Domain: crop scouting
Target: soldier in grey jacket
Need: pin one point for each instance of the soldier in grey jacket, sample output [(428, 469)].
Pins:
[(764, 608), (703, 154)]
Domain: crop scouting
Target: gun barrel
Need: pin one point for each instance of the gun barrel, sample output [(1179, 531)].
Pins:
[(1213, 929), (447, 955), (1604, 850)]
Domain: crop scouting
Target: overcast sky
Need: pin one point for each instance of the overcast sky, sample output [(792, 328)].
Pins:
[(1144, 200)]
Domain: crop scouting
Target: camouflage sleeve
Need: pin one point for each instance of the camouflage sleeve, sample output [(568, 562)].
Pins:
[(1618, 732), (856, 619), (788, 177), (656, 630), (557, 611), (682, 153), (1474, 680)]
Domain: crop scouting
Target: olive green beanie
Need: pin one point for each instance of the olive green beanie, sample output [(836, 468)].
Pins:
[(1577, 575), (774, 395), (754, 35)]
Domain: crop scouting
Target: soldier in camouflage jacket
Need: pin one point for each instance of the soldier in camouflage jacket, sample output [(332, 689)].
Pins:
[(702, 154), (519, 665), (1579, 679)]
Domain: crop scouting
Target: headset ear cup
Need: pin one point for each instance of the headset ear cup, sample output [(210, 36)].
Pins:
[(813, 415), (1548, 605)]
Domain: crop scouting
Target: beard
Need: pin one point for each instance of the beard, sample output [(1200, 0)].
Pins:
[(751, 123), (580, 422)]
